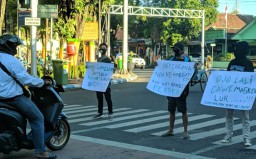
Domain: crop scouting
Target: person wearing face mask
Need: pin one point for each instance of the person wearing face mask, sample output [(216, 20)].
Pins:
[(104, 58), (240, 63), (178, 103)]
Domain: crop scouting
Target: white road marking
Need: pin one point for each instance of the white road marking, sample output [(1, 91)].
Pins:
[(78, 107), (175, 154), (219, 131), (142, 121), (118, 114), (165, 124), (93, 113), (124, 118)]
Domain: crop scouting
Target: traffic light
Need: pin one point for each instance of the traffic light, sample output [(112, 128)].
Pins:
[(24, 3)]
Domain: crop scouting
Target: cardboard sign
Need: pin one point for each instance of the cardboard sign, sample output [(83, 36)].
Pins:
[(97, 76), (229, 89), (170, 77)]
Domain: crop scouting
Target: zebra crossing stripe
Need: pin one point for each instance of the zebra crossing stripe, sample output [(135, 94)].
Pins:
[(219, 131), (201, 125), (93, 113), (81, 110), (78, 107), (236, 139), (164, 124), (124, 118), (136, 122), (122, 113), (71, 106)]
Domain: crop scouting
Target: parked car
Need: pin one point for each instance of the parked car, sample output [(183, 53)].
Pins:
[(137, 60)]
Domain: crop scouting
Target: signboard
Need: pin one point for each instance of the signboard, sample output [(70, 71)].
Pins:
[(47, 11), (90, 31), (29, 21), (230, 89), (97, 76), (171, 77), (22, 15)]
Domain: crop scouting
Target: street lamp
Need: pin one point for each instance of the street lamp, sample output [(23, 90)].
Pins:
[(212, 45)]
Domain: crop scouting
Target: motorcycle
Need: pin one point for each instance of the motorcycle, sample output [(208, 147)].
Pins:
[(14, 134)]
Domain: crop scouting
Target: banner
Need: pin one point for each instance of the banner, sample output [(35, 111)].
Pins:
[(170, 77), (97, 76), (230, 89)]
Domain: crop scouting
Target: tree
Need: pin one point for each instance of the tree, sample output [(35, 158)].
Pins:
[(2, 14), (177, 29)]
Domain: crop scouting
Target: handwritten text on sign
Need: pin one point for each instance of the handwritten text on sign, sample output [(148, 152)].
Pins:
[(97, 76), (170, 77), (233, 90)]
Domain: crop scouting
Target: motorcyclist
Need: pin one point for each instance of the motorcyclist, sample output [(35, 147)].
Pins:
[(12, 93)]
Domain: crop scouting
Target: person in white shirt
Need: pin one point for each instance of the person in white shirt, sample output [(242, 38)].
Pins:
[(12, 93)]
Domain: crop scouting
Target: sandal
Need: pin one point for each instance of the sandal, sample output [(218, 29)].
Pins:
[(168, 133), (44, 156)]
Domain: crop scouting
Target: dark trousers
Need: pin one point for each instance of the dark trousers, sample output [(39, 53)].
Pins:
[(107, 95)]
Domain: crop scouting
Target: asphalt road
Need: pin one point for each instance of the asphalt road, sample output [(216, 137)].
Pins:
[(140, 117)]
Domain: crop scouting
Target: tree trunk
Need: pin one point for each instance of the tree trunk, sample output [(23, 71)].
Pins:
[(2, 13)]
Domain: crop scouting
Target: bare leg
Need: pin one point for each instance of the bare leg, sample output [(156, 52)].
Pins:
[(172, 120), (171, 123), (185, 122)]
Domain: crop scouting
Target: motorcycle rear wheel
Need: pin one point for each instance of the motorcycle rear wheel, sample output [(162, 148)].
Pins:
[(60, 136)]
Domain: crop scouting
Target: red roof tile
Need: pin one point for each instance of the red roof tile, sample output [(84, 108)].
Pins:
[(234, 23)]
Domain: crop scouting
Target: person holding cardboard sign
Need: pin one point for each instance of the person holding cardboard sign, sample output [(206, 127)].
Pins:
[(240, 63), (104, 58), (178, 103)]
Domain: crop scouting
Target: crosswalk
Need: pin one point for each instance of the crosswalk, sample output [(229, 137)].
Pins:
[(154, 122)]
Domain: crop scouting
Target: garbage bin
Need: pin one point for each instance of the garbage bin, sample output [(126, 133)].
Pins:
[(60, 71)]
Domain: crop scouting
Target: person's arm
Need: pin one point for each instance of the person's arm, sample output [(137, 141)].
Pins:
[(250, 67), (22, 75)]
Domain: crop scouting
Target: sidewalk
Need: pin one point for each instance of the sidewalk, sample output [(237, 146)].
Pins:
[(116, 79)]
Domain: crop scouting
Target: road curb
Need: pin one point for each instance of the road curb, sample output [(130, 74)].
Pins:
[(116, 79)]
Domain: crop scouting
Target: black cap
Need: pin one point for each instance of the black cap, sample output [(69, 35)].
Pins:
[(178, 46)]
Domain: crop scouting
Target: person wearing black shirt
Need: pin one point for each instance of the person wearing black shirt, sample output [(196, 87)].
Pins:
[(104, 58), (240, 63)]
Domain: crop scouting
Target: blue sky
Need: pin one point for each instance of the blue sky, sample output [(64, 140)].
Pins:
[(244, 6)]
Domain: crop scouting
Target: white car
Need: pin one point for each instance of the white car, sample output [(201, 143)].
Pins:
[(137, 60)]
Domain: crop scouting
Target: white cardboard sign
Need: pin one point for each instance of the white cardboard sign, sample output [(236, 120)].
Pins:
[(170, 77), (230, 89), (97, 76)]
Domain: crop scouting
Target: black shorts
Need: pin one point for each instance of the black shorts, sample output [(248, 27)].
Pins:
[(178, 103)]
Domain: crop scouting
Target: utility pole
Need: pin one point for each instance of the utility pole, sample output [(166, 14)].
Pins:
[(236, 7), (33, 6), (125, 36)]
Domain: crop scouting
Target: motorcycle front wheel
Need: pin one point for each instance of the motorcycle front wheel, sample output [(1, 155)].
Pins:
[(60, 136)]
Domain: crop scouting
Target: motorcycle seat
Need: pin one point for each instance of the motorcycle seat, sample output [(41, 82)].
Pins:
[(7, 106)]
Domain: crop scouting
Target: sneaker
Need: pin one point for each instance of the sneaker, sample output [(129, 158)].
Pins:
[(110, 115), (186, 135), (168, 133), (227, 139), (247, 143), (98, 116)]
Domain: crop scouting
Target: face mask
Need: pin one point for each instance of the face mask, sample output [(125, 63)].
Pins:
[(177, 52), (103, 51)]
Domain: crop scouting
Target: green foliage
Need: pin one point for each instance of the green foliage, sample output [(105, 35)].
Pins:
[(81, 70), (130, 57), (224, 57), (73, 72), (65, 29), (40, 71)]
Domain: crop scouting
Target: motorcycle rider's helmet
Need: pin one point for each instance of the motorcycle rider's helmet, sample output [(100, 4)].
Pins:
[(9, 43)]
